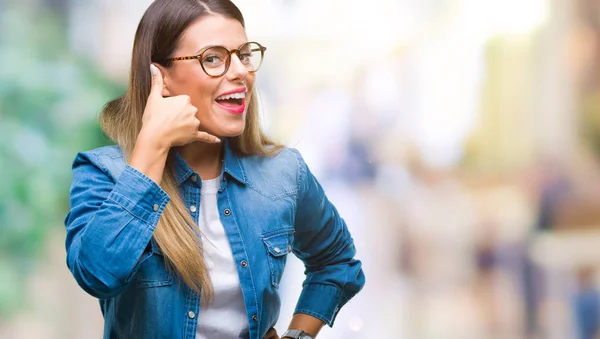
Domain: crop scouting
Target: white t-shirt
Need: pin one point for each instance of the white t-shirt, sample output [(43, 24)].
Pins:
[(226, 317)]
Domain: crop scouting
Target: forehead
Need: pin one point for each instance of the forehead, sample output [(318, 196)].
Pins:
[(212, 30)]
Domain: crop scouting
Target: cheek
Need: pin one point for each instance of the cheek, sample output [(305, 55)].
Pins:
[(197, 85), (206, 90), (202, 95), (250, 80)]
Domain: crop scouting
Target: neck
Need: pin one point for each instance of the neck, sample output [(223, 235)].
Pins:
[(203, 158)]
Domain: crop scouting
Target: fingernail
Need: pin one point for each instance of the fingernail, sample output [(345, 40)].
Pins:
[(217, 140), (153, 70)]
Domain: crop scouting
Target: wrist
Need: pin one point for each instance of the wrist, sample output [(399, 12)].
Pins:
[(296, 334), (149, 157), (153, 142), (306, 324)]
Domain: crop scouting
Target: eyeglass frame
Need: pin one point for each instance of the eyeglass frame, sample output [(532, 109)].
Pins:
[(236, 51)]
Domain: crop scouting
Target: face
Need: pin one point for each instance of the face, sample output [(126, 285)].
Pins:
[(223, 118)]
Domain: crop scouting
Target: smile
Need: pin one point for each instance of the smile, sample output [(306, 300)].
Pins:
[(233, 101)]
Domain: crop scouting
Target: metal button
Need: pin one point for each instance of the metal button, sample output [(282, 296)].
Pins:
[(289, 248), (255, 318), (191, 315), (277, 250), (193, 209), (155, 207), (194, 178), (244, 263), (227, 212)]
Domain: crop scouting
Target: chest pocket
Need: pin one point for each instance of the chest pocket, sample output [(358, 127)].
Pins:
[(153, 271), (278, 244)]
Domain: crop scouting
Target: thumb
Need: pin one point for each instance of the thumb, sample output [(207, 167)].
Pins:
[(157, 81)]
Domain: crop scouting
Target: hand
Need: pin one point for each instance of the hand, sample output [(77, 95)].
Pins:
[(171, 121), (271, 334)]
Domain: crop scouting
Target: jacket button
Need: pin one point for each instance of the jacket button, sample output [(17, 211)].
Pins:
[(194, 178), (193, 209), (155, 207), (277, 250), (227, 212), (255, 318), (191, 315), (244, 263)]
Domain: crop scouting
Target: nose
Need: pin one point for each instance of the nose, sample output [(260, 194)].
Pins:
[(237, 70)]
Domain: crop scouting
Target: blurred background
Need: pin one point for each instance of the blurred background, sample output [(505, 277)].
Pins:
[(460, 140)]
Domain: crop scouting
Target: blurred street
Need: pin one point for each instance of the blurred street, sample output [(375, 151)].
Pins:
[(459, 139)]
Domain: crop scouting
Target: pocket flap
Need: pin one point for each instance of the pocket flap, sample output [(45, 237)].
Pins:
[(278, 245)]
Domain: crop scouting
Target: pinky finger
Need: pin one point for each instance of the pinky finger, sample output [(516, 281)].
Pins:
[(205, 137)]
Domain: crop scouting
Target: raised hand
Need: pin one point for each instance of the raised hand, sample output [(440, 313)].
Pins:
[(171, 121)]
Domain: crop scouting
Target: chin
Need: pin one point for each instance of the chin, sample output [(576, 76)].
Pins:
[(231, 131)]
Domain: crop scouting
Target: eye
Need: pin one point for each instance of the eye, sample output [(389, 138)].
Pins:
[(245, 57), (212, 60), (214, 57)]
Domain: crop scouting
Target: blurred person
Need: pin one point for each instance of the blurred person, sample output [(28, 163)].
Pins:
[(586, 305), (487, 276), (182, 229), (553, 188)]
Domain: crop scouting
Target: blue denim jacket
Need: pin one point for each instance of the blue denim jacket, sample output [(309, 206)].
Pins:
[(269, 207)]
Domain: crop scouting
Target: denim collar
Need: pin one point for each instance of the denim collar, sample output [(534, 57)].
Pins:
[(232, 165)]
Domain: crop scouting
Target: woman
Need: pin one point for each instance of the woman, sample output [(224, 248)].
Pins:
[(182, 230)]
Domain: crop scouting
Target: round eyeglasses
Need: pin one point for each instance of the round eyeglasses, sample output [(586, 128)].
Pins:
[(215, 60)]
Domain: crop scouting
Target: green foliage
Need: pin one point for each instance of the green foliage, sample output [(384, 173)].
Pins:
[(49, 103)]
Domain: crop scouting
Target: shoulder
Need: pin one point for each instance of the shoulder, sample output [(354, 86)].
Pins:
[(287, 162), (287, 159), (109, 159), (279, 172)]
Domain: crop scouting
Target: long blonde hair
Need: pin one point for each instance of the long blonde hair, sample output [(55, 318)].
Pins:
[(156, 39)]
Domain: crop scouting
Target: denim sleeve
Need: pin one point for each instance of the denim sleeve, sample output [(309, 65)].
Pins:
[(110, 225), (323, 243)]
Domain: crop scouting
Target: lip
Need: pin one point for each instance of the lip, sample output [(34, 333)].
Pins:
[(233, 91), (233, 110)]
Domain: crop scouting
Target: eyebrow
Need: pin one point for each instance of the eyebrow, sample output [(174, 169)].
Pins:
[(211, 46), (205, 48)]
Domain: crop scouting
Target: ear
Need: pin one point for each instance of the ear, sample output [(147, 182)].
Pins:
[(166, 80)]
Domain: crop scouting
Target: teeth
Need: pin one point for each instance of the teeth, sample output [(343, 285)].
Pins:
[(240, 95)]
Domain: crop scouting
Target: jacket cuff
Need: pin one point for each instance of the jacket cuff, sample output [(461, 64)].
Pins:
[(321, 301), (139, 195)]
